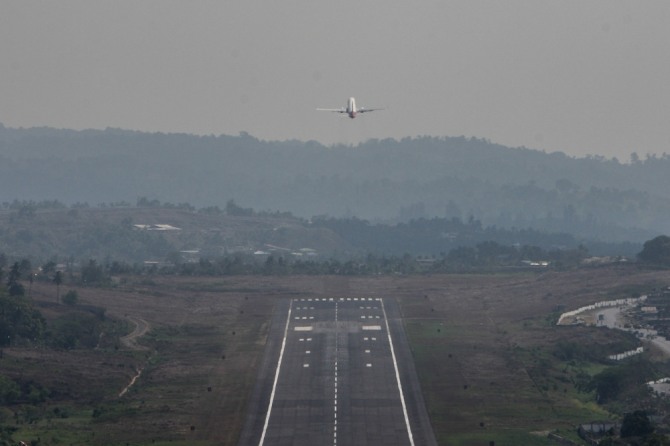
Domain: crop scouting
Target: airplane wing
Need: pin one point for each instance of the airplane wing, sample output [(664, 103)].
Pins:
[(364, 110), (336, 110)]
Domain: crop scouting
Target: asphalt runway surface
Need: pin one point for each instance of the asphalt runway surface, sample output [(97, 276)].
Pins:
[(337, 371)]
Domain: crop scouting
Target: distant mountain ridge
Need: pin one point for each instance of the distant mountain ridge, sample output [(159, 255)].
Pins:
[(379, 180)]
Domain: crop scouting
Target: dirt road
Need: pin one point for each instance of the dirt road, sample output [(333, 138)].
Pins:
[(141, 328)]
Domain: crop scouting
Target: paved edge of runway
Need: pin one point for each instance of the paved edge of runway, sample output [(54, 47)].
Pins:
[(422, 430), (260, 397)]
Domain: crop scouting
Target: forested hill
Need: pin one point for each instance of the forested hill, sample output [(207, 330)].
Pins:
[(379, 180)]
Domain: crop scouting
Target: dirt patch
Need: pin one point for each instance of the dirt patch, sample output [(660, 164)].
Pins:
[(141, 327)]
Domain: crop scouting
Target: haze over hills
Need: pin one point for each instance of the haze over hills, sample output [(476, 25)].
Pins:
[(387, 181)]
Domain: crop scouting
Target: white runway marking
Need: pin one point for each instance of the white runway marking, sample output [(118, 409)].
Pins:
[(274, 385), (335, 383), (397, 375)]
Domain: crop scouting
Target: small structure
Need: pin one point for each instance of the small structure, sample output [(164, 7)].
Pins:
[(660, 387), (594, 430), (628, 354), (157, 227)]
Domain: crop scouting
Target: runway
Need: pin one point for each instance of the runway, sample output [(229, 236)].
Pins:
[(337, 371)]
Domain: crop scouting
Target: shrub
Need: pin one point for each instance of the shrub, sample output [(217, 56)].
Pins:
[(70, 298)]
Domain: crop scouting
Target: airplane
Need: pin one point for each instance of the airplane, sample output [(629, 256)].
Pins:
[(351, 109)]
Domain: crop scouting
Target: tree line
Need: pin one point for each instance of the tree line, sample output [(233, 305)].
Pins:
[(21, 322)]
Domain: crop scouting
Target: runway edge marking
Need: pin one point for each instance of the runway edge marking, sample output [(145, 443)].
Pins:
[(274, 385), (397, 375)]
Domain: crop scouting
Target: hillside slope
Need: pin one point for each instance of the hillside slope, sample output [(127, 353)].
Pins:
[(380, 180)]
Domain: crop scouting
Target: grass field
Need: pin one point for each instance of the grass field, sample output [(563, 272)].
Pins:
[(483, 347)]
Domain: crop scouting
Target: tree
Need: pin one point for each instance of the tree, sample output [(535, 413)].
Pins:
[(92, 273), (634, 158), (636, 424), (233, 209), (14, 273), (10, 392), (58, 280), (607, 384), (25, 267), (31, 279), (49, 267), (13, 285), (19, 320), (6, 435), (656, 251), (71, 298)]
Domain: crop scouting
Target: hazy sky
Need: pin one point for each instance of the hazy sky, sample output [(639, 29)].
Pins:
[(579, 76)]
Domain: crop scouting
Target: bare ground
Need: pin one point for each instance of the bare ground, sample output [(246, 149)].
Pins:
[(141, 328)]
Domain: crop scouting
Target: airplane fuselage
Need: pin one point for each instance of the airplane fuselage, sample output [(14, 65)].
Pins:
[(351, 108)]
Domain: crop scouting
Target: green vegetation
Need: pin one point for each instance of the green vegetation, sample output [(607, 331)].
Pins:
[(26, 387), (656, 251), (636, 424), (502, 437), (20, 322), (10, 392), (71, 298)]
